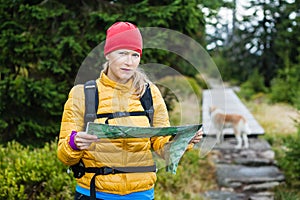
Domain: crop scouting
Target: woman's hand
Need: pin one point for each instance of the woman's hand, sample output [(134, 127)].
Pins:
[(84, 140), (198, 136)]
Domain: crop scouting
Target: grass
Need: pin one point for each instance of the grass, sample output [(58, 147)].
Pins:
[(194, 176), (275, 119)]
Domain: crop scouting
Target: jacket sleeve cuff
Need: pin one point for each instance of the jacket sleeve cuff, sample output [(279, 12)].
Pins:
[(72, 141), (190, 146)]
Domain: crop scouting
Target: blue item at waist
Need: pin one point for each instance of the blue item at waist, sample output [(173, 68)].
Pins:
[(143, 195)]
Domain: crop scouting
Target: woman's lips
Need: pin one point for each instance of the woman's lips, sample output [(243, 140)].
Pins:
[(126, 69)]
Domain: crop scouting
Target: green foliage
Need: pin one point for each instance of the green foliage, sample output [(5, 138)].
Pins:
[(183, 86), (287, 151), (285, 87), (180, 15), (33, 174), (195, 87), (285, 193), (176, 89), (266, 39), (38, 174), (44, 42), (36, 64), (24, 100), (254, 85), (291, 163), (201, 82), (222, 63), (183, 185)]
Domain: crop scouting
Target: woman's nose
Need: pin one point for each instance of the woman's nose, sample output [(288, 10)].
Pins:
[(129, 60)]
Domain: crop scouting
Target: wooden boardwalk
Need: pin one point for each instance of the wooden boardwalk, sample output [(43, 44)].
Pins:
[(227, 100)]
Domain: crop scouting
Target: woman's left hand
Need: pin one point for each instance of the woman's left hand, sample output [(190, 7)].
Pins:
[(198, 136)]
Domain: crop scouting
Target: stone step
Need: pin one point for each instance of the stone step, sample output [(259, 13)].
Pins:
[(245, 178), (259, 153), (227, 195), (245, 173)]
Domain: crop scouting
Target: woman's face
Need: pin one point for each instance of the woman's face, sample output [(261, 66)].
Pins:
[(122, 64)]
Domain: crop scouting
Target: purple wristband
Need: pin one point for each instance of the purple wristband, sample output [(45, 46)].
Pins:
[(72, 141)]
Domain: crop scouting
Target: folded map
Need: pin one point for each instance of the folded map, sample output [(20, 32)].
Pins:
[(177, 147)]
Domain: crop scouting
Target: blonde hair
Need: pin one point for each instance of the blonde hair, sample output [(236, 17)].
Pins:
[(140, 79)]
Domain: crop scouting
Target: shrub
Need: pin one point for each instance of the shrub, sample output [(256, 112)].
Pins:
[(38, 175), (33, 174), (285, 87), (280, 91), (254, 85), (291, 161)]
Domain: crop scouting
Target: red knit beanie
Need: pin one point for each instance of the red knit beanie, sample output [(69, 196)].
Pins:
[(123, 35)]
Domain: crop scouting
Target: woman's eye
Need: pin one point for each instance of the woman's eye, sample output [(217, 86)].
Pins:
[(136, 55)]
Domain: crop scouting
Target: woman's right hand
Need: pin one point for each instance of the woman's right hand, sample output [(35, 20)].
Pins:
[(84, 140)]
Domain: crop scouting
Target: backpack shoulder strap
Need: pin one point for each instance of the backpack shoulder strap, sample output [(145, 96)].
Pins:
[(147, 103), (91, 101)]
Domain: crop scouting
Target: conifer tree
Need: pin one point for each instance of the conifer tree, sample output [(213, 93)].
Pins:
[(43, 44)]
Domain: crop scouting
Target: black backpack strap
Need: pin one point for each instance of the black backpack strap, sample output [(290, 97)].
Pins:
[(91, 101), (79, 170), (147, 103), (120, 114), (114, 170)]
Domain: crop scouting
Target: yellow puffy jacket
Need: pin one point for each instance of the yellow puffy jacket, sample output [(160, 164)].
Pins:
[(113, 97)]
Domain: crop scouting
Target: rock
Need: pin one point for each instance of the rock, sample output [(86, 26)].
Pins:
[(224, 195), (261, 186), (228, 174), (259, 155), (248, 174), (262, 196), (247, 153), (253, 161), (268, 154)]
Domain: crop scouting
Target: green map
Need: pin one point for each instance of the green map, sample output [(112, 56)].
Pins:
[(176, 148)]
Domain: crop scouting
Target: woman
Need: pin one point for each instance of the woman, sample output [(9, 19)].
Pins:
[(120, 86)]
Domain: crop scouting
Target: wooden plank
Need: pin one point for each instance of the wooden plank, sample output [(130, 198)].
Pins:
[(228, 101)]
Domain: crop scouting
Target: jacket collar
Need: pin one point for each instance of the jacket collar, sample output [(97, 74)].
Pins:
[(110, 83)]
